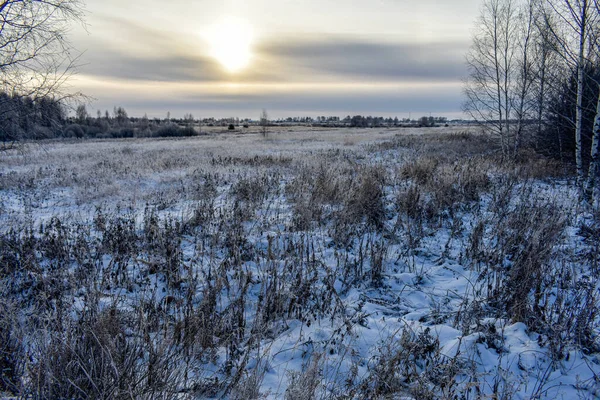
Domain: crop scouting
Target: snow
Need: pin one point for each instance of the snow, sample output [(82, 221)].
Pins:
[(422, 290)]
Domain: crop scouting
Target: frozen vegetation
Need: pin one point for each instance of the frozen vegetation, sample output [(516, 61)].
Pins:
[(317, 264)]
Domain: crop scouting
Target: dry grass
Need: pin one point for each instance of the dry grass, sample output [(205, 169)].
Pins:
[(145, 268)]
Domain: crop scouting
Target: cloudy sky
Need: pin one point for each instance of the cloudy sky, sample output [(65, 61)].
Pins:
[(294, 58)]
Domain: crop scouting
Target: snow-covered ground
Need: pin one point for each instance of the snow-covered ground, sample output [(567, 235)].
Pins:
[(329, 264)]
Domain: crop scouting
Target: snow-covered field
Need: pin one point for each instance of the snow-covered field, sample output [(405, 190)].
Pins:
[(376, 263)]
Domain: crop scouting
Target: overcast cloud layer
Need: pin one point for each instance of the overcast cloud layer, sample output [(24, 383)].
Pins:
[(313, 58)]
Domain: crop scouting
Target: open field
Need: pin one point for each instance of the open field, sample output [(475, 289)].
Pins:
[(313, 263), (74, 177)]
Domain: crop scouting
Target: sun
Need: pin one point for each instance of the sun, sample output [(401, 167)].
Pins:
[(231, 43)]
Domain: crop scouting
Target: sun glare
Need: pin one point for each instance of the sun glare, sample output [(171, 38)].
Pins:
[(231, 43)]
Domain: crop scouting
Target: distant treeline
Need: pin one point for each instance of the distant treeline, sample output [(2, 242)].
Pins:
[(360, 121), (24, 117)]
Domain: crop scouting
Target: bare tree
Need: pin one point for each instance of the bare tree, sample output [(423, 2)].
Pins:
[(526, 75), (81, 114), (188, 120), (36, 58), (491, 62), (546, 62), (575, 37), (264, 123), (594, 168)]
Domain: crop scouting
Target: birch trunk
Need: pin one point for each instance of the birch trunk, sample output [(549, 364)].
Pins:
[(506, 75), (541, 99), (580, 82), (579, 118), (498, 80), (594, 168)]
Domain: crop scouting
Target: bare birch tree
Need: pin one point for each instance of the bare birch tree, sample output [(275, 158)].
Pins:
[(594, 168), (575, 35), (526, 76), (36, 57), (491, 62)]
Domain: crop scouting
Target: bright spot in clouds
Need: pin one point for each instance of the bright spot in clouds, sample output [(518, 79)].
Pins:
[(231, 43)]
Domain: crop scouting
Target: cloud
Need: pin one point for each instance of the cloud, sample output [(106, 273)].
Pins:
[(115, 64), (120, 48), (353, 58), (131, 50), (246, 100), (153, 69), (440, 99)]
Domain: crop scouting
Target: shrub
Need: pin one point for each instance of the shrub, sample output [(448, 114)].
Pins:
[(119, 133), (174, 131), (367, 200), (420, 170), (410, 202), (411, 364), (532, 232), (303, 385), (74, 130), (11, 350)]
